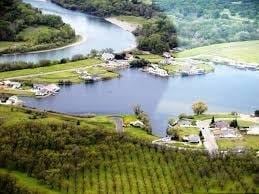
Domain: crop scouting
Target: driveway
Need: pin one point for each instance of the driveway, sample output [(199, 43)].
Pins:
[(209, 139)]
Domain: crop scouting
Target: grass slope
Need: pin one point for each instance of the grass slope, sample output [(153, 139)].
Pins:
[(29, 183), (246, 51)]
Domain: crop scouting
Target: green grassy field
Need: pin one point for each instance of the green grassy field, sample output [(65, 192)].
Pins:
[(247, 141), (6, 44), (186, 131), (246, 51), (29, 183), (151, 57), (58, 67), (71, 76), (134, 131)]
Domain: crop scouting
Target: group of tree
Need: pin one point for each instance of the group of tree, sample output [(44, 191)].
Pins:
[(157, 35), (106, 8), (142, 116)]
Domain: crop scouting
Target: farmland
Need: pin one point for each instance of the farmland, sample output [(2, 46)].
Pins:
[(85, 155)]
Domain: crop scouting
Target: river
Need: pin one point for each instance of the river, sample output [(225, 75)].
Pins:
[(95, 32), (227, 89)]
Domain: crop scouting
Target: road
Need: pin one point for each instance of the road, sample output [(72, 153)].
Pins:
[(209, 139)]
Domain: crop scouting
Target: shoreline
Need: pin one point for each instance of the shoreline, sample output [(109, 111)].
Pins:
[(79, 40), (122, 24)]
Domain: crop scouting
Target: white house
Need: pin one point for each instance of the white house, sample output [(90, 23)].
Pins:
[(108, 56), (253, 130), (137, 123)]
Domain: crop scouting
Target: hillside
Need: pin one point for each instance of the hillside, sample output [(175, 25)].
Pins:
[(55, 153), (205, 22), (106, 8), (23, 29)]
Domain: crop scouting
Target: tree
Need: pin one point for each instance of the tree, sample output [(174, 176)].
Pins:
[(234, 124), (212, 120), (257, 113), (199, 108)]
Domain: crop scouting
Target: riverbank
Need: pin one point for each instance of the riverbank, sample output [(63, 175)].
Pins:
[(128, 26), (78, 40)]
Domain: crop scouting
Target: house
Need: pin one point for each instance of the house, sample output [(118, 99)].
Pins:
[(253, 130), (137, 123), (52, 88), (220, 124), (14, 85), (12, 100), (228, 133), (194, 139), (108, 56), (42, 92), (184, 123), (167, 55)]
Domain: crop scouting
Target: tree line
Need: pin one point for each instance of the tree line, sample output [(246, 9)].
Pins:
[(106, 8)]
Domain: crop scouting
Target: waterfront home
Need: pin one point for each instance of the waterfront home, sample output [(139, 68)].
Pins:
[(228, 133), (253, 130), (52, 88), (156, 71), (184, 123), (192, 139), (167, 55), (137, 123), (10, 84), (108, 56), (45, 90), (42, 92), (13, 100), (220, 124)]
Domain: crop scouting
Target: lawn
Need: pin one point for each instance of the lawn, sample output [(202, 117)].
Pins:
[(136, 132), (28, 182), (186, 131), (7, 44), (246, 51), (206, 67), (16, 92), (58, 67), (10, 115), (71, 76), (248, 141), (151, 57), (209, 116), (172, 69)]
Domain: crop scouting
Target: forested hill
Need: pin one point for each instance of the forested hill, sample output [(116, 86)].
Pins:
[(109, 7), (20, 22), (205, 22)]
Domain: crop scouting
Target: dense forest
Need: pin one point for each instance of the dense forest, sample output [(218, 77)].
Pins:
[(107, 8), (75, 157), (204, 22), (21, 23)]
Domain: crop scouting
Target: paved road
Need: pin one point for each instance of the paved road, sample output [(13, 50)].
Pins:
[(209, 139)]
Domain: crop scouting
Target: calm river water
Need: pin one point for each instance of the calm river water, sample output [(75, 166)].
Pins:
[(226, 89), (96, 32)]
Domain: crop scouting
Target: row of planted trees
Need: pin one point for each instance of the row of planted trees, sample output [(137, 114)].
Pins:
[(74, 159)]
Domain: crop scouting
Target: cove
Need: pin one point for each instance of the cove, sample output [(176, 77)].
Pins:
[(225, 90)]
